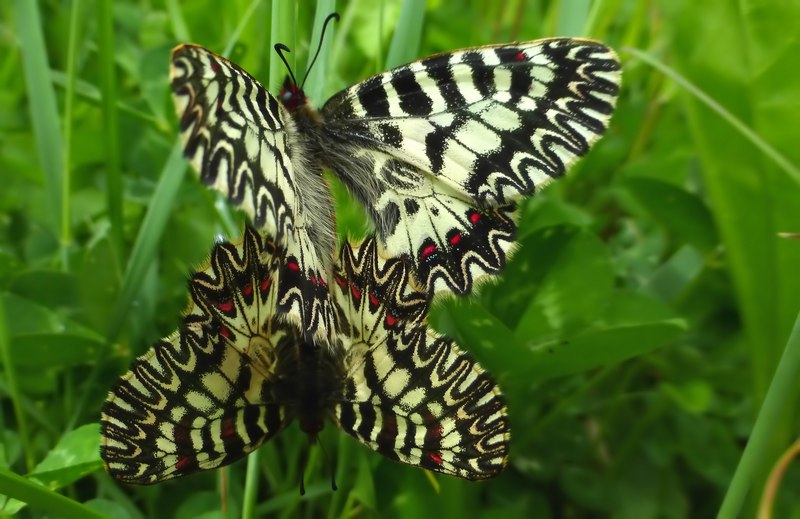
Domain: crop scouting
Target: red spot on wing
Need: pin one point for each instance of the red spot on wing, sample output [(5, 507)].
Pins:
[(454, 239), (184, 463), (265, 284), (228, 429), (434, 457), (340, 281), (390, 320), (225, 332), (388, 430), (313, 279), (226, 306), (215, 66), (427, 251), (373, 300), (520, 56), (247, 291), (355, 291), (293, 266), (474, 218), (434, 434)]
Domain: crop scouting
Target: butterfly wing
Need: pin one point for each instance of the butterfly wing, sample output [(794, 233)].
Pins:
[(243, 143), (410, 394), (203, 397), (429, 145)]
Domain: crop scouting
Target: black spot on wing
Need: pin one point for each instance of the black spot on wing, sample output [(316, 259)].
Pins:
[(413, 100), (372, 96), (440, 71), (390, 134), (482, 76), (435, 144), (411, 206)]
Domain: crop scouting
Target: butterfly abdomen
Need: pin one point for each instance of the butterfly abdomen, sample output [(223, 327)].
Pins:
[(308, 377)]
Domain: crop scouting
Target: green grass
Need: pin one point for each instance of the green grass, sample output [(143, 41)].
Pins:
[(642, 334)]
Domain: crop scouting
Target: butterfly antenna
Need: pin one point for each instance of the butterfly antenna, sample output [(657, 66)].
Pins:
[(280, 48), (330, 17)]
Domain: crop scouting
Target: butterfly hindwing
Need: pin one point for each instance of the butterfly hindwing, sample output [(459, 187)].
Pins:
[(425, 145), (410, 394), (204, 397), (240, 368)]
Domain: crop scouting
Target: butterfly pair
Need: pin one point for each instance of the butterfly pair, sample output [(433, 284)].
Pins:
[(439, 152)]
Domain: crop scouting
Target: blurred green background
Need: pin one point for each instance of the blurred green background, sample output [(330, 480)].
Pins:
[(635, 333)]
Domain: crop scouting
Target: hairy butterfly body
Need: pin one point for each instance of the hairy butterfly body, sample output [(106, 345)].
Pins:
[(240, 368), (439, 151)]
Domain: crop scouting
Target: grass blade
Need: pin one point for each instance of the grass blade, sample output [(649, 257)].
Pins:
[(43, 106), (41, 497), (768, 150), (779, 398), (144, 249), (404, 46), (108, 88)]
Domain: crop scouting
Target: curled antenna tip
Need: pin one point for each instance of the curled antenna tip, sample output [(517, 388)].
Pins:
[(332, 16)]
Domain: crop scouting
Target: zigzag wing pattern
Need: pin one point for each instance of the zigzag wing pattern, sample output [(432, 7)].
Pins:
[(425, 144), (203, 397), (244, 144), (410, 394)]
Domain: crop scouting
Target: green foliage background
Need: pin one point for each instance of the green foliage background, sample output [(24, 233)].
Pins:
[(635, 333)]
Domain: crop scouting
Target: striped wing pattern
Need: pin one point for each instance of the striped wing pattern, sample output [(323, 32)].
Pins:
[(203, 397), (468, 132), (411, 395), (439, 151), (239, 369), (244, 144)]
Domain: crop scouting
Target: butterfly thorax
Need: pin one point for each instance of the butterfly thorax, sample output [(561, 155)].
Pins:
[(309, 378)]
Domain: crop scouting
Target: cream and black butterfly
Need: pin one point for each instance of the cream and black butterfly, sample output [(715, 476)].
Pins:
[(439, 151), (238, 370)]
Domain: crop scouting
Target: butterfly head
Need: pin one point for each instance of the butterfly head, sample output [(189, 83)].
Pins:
[(292, 96)]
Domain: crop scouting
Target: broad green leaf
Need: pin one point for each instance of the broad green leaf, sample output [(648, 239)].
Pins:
[(571, 279), (54, 350), (74, 456), (26, 317), (679, 211)]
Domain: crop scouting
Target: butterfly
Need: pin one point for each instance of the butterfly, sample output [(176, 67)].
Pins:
[(239, 370), (439, 151)]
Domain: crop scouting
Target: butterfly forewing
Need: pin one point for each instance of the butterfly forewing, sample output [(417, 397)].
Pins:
[(440, 138), (425, 147), (243, 143), (410, 394)]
